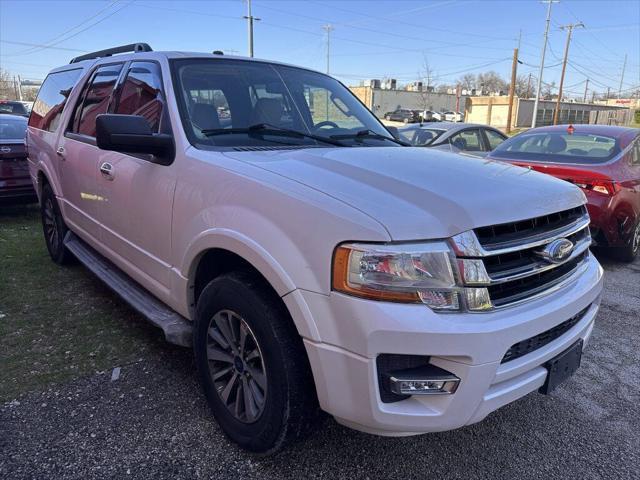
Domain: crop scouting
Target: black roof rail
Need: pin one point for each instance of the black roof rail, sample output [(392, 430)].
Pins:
[(132, 47)]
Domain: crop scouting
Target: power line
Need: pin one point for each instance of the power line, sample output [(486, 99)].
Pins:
[(68, 37), (40, 45), (544, 51)]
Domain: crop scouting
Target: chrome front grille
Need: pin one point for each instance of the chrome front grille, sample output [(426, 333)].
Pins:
[(509, 263)]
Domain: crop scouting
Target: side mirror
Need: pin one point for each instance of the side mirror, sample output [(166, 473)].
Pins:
[(132, 134), (394, 131)]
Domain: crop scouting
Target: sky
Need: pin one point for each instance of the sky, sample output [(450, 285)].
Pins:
[(369, 39)]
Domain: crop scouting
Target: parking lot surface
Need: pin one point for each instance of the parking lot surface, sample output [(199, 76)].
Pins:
[(152, 421)]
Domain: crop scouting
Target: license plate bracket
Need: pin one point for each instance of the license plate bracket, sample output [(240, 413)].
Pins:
[(561, 367)]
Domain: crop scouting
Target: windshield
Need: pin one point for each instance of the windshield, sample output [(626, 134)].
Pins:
[(420, 137), (559, 147), (220, 99), (14, 108), (12, 128)]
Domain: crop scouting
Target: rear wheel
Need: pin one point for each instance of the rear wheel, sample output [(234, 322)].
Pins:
[(53, 227), (630, 252), (252, 364)]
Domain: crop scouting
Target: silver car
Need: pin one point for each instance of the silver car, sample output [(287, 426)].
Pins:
[(471, 138)]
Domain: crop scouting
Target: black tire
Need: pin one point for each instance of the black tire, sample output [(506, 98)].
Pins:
[(53, 227), (631, 251), (290, 407)]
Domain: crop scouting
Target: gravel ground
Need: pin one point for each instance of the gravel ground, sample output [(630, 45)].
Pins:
[(152, 422)]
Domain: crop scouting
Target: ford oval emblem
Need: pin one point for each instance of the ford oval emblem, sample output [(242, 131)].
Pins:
[(557, 251)]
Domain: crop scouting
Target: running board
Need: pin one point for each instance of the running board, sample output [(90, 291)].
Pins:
[(176, 328)]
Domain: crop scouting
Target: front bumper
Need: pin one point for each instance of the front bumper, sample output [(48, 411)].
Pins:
[(471, 346)]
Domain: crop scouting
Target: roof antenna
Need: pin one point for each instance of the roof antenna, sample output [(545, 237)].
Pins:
[(218, 52)]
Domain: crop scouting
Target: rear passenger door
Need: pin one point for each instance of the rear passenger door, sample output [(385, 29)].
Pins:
[(79, 154), (136, 213)]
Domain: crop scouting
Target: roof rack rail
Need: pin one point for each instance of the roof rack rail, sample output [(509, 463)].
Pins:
[(132, 47)]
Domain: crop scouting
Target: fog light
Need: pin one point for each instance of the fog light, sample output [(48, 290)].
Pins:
[(423, 380)]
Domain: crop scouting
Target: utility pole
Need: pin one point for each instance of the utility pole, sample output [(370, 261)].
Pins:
[(250, 19), (586, 88), (19, 84), (624, 66), (569, 29), (544, 51), (528, 86), (327, 28), (593, 96), (608, 93), (512, 88)]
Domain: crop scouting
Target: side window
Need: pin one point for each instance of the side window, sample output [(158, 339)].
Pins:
[(95, 99), (468, 140), (141, 93), (494, 138), (52, 98)]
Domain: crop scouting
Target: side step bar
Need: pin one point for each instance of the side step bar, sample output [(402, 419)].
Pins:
[(176, 328)]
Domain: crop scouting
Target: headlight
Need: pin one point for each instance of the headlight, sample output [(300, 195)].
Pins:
[(410, 273)]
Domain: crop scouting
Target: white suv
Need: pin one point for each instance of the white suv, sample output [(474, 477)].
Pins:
[(259, 212)]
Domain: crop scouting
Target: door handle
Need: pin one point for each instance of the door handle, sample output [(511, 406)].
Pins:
[(61, 152), (106, 169)]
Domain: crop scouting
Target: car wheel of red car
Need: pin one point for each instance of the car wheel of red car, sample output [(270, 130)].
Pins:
[(630, 252), (54, 227)]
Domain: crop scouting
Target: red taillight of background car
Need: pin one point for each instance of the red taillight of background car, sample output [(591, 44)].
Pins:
[(604, 187)]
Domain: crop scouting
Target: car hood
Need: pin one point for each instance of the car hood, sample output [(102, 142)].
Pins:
[(420, 193)]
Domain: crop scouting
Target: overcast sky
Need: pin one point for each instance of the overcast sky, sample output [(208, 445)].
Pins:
[(370, 39)]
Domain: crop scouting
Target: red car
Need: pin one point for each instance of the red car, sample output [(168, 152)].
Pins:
[(604, 161), (15, 181)]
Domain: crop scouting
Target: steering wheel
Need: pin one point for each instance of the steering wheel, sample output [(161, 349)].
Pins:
[(326, 123)]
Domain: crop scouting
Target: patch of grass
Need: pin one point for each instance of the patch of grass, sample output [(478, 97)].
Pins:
[(57, 323)]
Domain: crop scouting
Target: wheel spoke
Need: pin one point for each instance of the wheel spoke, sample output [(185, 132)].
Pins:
[(254, 354), (258, 376), (250, 408), (243, 338), (221, 373), (240, 399), (223, 325), (219, 355), (227, 389), (257, 394), (218, 338)]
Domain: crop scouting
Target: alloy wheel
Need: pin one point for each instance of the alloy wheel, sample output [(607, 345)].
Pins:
[(236, 366), (50, 224)]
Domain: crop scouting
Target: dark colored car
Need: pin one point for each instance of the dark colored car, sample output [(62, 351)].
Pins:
[(470, 138), (13, 108), (403, 115), (604, 161), (15, 181)]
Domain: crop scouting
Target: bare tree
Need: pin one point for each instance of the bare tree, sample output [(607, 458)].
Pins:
[(491, 81), (467, 81), (546, 92), (521, 85), (428, 74), (7, 86)]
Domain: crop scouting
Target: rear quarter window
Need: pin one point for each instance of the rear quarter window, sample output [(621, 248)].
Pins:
[(52, 98)]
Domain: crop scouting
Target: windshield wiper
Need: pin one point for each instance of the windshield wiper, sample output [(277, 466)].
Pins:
[(265, 128), (368, 134)]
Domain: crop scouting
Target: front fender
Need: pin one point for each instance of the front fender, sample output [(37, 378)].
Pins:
[(260, 259)]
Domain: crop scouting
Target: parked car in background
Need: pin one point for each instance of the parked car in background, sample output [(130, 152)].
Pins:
[(453, 116), (403, 115), (15, 181), (604, 161), (376, 283), (427, 116), (471, 138), (14, 108)]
